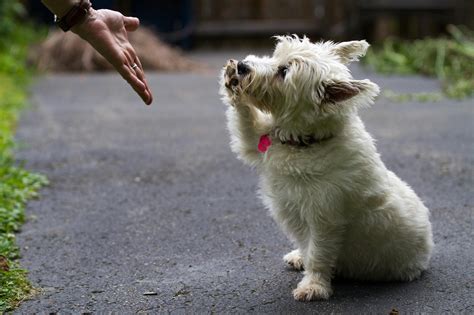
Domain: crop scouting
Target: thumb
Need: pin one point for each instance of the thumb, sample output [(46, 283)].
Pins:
[(131, 23)]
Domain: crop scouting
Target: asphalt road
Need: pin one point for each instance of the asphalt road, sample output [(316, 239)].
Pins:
[(151, 200)]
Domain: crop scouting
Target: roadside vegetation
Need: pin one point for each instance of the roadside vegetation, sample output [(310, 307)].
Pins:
[(449, 58), (17, 185)]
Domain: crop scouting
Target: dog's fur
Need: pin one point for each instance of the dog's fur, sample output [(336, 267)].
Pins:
[(346, 212)]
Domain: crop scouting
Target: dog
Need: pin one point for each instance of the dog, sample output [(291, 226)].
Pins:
[(294, 117)]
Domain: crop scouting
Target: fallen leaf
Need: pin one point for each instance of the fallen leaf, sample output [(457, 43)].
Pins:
[(4, 263), (97, 291), (181, 292)]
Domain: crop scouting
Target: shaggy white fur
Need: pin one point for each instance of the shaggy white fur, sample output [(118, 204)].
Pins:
[(322, 178)]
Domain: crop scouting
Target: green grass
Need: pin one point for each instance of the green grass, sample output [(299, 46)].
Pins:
[(17, 185), (450, 59), (415, 97)]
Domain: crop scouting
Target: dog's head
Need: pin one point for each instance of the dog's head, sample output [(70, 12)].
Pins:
[(302, 80)]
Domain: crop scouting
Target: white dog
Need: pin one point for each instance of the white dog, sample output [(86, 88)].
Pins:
[(293, 116)]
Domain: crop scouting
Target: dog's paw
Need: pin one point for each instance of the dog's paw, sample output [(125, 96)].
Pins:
[(294, 259), (310, 290), (231, 78)]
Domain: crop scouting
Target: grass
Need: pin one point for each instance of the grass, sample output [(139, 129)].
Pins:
[(17, 185), (450, 59), (413, 97)]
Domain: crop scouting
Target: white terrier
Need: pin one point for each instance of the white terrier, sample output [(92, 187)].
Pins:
[(294, 117)]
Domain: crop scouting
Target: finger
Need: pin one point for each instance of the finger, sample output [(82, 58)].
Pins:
[(138, 86), (144, 80), (139, 70), (141, 75), (132, 59), (131, 23)]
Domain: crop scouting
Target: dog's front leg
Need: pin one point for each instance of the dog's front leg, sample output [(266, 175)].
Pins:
[(246, 124), (319, 259)]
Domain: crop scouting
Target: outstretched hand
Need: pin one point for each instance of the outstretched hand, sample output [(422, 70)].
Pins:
[(106, 31)]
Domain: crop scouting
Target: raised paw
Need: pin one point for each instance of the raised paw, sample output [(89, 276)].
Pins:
[(294, 259), (231, 78), (310, 289)]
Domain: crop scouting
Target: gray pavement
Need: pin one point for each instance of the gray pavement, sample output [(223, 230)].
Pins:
[(150, 199)]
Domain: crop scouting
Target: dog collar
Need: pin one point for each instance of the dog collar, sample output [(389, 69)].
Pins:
[(305, 141), (302, 141)]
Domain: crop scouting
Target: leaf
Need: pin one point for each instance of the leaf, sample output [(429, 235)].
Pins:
[(4, 266)]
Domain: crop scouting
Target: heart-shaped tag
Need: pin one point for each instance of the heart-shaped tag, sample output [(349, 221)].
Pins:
[(264, 143)]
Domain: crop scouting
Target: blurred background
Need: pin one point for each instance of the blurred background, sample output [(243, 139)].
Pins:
[(428, 37), (217, 23)]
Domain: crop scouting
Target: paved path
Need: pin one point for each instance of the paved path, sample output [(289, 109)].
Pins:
[(150, 199)]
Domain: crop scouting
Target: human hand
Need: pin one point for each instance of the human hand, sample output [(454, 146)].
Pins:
[(106, 31)]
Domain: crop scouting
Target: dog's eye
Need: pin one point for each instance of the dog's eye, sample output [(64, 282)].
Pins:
[(282, 71)]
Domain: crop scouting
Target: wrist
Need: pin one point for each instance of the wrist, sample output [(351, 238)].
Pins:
[(60, 8), (82, 27), (76, 15)]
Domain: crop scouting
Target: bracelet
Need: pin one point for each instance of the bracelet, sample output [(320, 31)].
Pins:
[(76, 15)]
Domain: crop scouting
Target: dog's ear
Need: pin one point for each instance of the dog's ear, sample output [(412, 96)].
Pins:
[(350, 51), (340, 91), (335, 92)]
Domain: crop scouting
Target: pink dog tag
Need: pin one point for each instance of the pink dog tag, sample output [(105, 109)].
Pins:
[(264, 143)]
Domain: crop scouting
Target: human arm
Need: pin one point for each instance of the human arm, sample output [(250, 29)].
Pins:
[(106, 31)]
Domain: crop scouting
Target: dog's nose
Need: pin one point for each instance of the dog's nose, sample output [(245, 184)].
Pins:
[(242, 68)]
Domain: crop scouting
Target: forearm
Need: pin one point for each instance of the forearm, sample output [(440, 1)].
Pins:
[(245, 128), (59, 7), (245, 124)]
